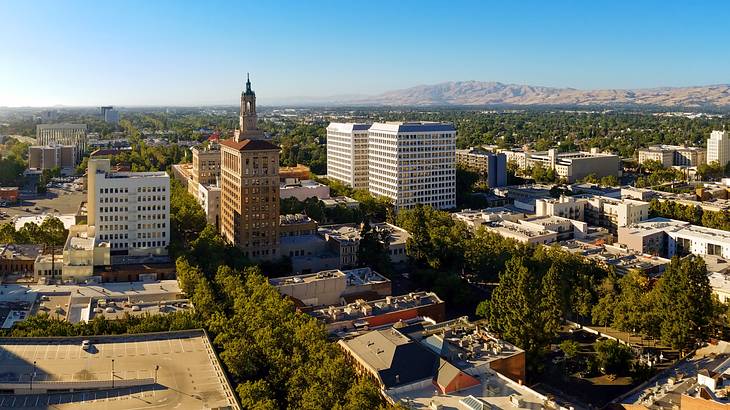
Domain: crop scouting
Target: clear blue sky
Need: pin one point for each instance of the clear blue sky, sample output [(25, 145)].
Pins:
[(184, 52)]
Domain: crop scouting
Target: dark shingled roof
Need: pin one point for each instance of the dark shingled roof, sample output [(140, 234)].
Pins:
[(250, 145)]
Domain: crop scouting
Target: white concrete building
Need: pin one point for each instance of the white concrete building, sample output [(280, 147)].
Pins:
[(209, 197), (303, 189), (413, 163), (671, 155), (347, 154), (63, 134), (130, 210), (597, 210), (718, 147)]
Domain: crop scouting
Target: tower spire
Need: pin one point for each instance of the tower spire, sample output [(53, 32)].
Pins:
[(248, 84)]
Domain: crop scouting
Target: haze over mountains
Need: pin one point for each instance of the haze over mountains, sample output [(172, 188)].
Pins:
[(495, 93)]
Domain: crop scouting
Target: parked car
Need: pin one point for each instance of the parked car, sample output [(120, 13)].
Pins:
[(86, 345)]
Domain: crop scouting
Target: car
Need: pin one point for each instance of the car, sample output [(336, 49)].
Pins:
[(136, 308), (110, 310), (86, 344)]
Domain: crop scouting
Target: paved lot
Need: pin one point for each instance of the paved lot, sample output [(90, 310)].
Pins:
[(188, 376)]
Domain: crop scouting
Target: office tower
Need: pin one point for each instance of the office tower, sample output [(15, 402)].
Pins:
[(413, 163), (63, 134), (249, 203), (718, 148), (129, 210), (347, 154)]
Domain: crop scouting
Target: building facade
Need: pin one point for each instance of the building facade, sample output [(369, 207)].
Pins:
[(718, 148), (483, 162), (63, 134), (130, 210), (673, 155), (206, 164), (52, 156), (413, 163), (347, 154)]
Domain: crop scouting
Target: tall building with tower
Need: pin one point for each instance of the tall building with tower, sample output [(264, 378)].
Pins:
[(249, 203)]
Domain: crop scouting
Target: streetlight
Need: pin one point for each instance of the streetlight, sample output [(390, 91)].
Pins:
[(156, 369), (112, 373), (32, 375)]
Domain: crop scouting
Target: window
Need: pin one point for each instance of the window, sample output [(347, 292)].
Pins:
[(713, 249)]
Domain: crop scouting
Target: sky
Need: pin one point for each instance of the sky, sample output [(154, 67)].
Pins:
[(90, 53)]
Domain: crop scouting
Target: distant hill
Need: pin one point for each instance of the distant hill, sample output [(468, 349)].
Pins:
[(495, 93)]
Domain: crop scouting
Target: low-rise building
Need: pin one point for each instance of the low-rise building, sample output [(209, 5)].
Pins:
[(598, 211), (668, 237), (344, 240), (332, 287), (18, 259), (455, 364), (477, 218), (345, 201), (361, 315), (303, 189), (9, 194), (673, 155)]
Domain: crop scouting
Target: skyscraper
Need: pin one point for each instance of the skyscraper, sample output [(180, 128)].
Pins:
[(250, 187), (347, 154), (718, 148), (413, 163)]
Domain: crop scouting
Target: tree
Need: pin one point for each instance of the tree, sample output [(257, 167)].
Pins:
[(685, 302), (511, 310), (187, 218), (613, 357), (570, 348), (373, 248)]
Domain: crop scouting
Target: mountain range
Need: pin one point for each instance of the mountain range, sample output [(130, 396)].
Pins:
[(478, 93)]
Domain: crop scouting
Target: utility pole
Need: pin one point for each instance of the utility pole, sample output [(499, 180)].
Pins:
[(112, 373), (32, 375), (156, 369)]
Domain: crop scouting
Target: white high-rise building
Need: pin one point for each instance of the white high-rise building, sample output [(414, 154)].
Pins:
[(413, 163), (347, 154), (62, 134), (718, 147), (129, 210)]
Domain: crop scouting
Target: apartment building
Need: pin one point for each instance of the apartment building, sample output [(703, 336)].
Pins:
[(673, 155), (347, 154), (573, 166), (63, 134), (52, 156), (718, 147), (413, 163)]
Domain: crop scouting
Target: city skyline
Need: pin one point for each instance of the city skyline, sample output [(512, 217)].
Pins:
[(170, 53)]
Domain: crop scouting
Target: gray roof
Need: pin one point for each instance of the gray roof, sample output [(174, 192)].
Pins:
[(398, 359)]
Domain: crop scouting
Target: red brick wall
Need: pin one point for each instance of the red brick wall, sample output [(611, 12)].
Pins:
[(512, 367)]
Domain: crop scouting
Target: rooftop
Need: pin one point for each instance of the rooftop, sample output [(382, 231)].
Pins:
[(361, 309), (351, 232), (295, 219), (418, 126), (307, 278), (250, 145), (16, 252), (188, 373)]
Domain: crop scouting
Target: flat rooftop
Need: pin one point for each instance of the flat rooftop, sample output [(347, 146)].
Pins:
[(351, 232), (307, 278), (120, 290), (189, 374), (361, 309)]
